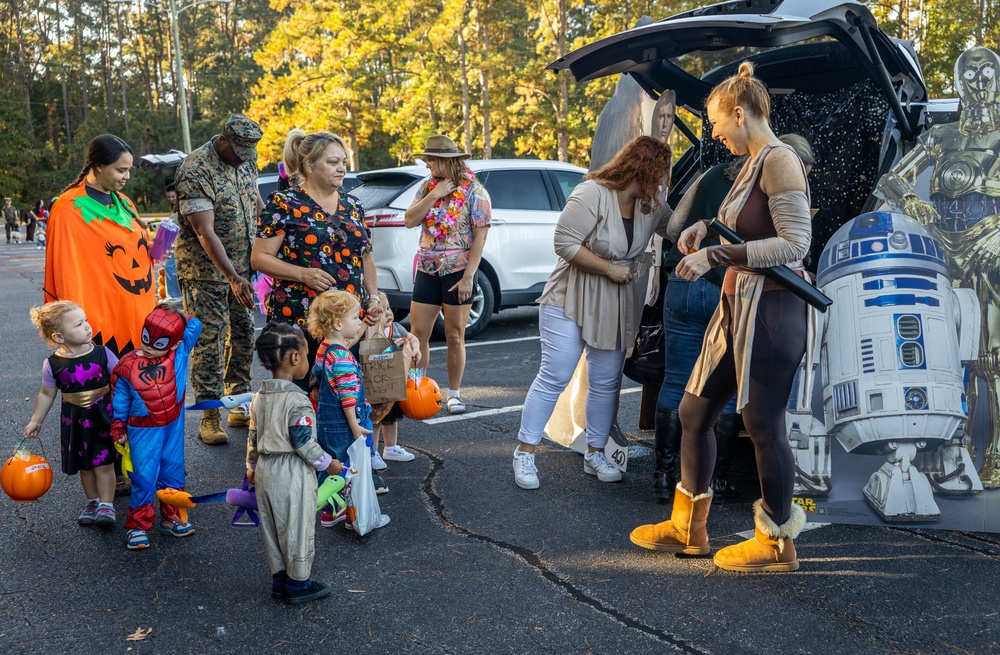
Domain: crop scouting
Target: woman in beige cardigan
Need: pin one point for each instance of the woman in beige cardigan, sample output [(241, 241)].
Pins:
[(754, 342), (593, 298)]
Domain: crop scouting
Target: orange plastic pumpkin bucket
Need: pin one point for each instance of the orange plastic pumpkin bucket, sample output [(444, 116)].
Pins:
[(25, 477), (423, 400)]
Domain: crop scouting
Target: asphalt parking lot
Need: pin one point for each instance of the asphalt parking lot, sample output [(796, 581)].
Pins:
[(469, 562)]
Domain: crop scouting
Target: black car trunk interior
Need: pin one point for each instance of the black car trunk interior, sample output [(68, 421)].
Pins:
[(819, 90)]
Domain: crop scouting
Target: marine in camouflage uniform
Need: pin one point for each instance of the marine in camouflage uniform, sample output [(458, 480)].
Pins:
[(10, 215), (218, 200)]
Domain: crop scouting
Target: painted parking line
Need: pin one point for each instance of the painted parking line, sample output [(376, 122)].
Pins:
[(493, 412), (474, 344)]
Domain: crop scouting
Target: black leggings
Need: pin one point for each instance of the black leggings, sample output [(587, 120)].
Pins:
[(778, 346)]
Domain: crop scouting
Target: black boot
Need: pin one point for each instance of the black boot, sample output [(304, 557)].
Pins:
[(668, 448), (726, 432)]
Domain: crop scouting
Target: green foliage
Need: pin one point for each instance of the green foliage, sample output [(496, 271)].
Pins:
[(383, 74)]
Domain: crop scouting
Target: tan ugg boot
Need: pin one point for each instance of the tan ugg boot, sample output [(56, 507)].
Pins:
[(772, 547), (210, 431), (685, 532)]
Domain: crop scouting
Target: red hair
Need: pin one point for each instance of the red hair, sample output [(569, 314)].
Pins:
[(644, 160)]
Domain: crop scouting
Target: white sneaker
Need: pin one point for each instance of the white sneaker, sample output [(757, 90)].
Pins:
[(378, 463), (525, 472), (597, 464), (397, 454)]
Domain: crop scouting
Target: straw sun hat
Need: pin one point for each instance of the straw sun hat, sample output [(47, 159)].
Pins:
[(441, 146)]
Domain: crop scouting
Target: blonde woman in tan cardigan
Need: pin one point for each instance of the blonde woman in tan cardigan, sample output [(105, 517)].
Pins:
[(592, 301), (754, 342)]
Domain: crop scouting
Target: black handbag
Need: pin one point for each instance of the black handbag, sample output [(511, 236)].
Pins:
[(646, 363)]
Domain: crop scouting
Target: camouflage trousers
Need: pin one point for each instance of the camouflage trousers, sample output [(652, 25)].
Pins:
[(221, 359)]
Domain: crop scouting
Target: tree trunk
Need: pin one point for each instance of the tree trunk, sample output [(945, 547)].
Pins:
[(144, 65), (25, 73), (65, 98), (562, 116), (62, 76), (432, 111), (463, 69), (121, 70), (979, 23), (105, 32), (158, 50), (484, 81), (83, 68), (353, 156)]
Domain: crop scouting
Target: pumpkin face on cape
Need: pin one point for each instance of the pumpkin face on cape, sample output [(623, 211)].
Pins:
[(99, 258), (129, 271)]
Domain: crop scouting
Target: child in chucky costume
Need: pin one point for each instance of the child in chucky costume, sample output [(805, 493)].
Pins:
[(148, 411)]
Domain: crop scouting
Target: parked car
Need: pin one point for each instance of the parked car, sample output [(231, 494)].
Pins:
[(834, 76), (268, 183), (526, 195)]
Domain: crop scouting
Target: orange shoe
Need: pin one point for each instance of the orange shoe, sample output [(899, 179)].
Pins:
[(686, 530), (772, 547)]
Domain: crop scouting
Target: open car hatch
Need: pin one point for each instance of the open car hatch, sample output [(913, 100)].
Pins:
[(649, 53)]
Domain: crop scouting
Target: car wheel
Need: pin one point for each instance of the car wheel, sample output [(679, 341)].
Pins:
[(481, 312)]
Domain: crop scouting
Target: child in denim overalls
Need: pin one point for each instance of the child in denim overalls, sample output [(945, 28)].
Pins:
[(343, 413)]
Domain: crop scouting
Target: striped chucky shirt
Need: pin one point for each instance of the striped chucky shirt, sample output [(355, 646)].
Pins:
[(342, 372)]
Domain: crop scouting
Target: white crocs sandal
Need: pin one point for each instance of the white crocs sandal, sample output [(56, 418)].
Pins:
[(455, 405)]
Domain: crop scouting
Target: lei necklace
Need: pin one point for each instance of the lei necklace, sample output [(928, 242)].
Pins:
[(443, 216)]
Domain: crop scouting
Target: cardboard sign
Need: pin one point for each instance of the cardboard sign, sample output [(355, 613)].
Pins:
[(384, 372)]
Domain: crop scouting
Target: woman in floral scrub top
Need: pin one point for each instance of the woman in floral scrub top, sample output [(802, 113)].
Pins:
[(453, 210), (311, 237)]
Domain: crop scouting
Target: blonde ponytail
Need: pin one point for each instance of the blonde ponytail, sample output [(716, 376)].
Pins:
[(744, 90), (293, 162)]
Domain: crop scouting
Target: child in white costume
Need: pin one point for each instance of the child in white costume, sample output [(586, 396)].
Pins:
[(282, 459)]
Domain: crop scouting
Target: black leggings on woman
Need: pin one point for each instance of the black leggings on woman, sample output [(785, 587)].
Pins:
[(778, 346)]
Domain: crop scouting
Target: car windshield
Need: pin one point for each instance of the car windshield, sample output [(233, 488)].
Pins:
[(380, 191)]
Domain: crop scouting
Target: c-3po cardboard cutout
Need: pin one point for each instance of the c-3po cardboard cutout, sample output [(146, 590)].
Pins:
[(913, 336), (962, 209)]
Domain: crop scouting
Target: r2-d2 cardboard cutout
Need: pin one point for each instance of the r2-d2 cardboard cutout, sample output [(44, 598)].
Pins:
[(892, 353)]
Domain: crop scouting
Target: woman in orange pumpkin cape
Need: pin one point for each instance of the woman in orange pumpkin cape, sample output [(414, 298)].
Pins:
[(98, 249)]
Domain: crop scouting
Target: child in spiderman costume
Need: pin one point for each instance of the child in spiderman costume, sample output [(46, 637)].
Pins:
[(148, 411)]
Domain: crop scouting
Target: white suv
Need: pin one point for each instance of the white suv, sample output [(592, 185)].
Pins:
[(527, 196)]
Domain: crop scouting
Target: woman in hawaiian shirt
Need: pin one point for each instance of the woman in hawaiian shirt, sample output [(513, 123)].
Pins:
[(311, 237), (453, 211)]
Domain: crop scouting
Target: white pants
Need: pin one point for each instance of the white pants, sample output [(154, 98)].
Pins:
[(561, 350)]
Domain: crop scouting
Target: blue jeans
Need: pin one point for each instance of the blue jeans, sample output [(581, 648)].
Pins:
[(687, 310), (170, 277)]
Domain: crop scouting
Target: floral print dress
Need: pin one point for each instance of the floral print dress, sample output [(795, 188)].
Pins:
[(314, 238)]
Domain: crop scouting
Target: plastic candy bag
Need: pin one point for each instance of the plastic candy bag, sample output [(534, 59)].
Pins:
[(367, 514)]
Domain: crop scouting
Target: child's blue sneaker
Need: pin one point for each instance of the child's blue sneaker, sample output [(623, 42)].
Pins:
[(105, 516), (176, 528), (136, 539), (89, 515)]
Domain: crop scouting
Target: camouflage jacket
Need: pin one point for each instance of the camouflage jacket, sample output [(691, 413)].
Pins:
[(10, 214), (205, 182)]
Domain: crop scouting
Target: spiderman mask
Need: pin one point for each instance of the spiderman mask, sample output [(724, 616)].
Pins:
[(161, 331)]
